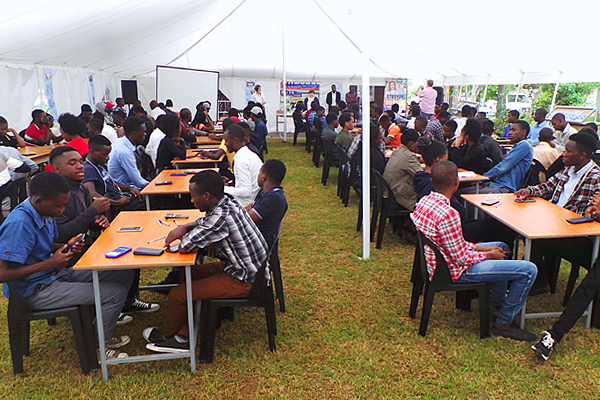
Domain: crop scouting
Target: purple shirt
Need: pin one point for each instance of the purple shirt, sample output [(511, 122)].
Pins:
[(428, 96)]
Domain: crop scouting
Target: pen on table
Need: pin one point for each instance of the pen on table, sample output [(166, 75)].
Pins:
[(176, 223), (154, 240), (160, 221)]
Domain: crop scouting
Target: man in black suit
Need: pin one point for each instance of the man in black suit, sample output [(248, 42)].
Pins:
[(329, 100)]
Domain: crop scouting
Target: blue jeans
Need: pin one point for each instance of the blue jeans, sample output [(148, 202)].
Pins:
[(521, 274), (428, 116)]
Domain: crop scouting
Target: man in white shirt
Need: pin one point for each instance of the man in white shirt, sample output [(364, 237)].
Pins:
[(428, 97), (562, 131), (155, 110), (246, 165)]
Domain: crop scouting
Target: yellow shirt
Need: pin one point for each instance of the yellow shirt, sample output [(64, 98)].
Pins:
[(228, 154)]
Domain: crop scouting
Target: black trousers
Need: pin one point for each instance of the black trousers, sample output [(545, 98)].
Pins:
[(546, 254), (584, 294)]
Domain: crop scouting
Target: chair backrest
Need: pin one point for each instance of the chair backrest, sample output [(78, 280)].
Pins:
[(16, 193), (386, 190), (441, 275), (16, 304), (260, 287), (145, 164), (537, 174), (343, 157)]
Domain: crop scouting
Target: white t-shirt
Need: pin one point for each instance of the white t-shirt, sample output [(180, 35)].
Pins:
[(156, 112), (258, 98), (109, 133), (246, 166), (7, 165), (152, 149)]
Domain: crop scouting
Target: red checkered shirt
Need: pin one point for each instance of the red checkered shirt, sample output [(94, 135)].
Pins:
[(440, 223)]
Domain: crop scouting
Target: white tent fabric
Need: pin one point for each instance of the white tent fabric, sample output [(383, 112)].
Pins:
[(475, 42)]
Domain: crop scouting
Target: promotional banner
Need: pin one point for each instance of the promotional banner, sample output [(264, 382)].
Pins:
[(395, 93), (297, 91), (50, 92), (249, 90), (92, 91)]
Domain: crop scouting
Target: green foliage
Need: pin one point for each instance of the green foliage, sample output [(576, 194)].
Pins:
[(569, 94)]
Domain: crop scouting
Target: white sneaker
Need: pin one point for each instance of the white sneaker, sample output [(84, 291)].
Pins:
[(118, 341), (110, 353), (124, 319)]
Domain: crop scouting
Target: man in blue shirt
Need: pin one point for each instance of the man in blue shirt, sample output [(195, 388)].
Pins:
[(260, 132), (36, 265), (507, 176), (270, 207), (122, 166), (534, 133), (513, 115)]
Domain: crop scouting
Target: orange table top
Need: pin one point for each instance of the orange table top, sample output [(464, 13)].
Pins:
[(470, 176), (110, 239), (36, 153), (180, 183), (194, 158), (207, 140), (539, 220)]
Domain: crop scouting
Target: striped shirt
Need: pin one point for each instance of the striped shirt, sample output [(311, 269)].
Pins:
[(239, 243)]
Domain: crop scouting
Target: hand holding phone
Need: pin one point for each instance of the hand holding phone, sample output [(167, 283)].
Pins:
[(69, 247)]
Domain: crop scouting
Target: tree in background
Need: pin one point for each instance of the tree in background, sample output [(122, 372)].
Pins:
[(569, 94)]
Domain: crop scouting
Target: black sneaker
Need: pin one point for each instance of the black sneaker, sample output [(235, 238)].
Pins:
[(544, 347), (140, 306), (124, 319), (171, 345), (513, 332), (153, 335)]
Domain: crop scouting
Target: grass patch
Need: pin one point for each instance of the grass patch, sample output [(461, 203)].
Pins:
[(346, 334)]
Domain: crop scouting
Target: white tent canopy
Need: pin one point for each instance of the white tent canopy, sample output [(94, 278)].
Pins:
[(476, 42)]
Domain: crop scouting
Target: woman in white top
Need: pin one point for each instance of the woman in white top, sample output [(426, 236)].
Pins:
[(257, 97), (155, 138)]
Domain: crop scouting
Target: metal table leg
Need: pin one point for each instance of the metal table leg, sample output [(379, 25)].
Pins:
[(190, 307), (527, 256), (100, 324), (476, 214)]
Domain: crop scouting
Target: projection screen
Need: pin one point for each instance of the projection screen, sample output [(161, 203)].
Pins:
[(187, 87)]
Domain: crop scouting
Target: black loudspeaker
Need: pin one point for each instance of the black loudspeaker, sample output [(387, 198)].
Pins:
[(129, 91), (440, 94)]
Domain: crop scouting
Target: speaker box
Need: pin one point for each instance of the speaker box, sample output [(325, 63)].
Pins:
[(440, 94), (129, 91)]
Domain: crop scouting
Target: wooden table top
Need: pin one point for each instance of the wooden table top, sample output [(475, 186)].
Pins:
[(476, 178), (36, 153), (194, 158), (539, 220), (110, 239), (181, 184), (207, 140)]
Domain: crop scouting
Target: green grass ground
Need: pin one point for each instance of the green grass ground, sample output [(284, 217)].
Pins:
[(346, 334)]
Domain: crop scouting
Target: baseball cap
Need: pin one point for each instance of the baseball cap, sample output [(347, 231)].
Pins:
[(256, 110), (109, 104)]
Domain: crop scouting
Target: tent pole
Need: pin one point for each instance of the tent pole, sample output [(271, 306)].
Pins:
[(284, 72), (555, 92), (366, 161)]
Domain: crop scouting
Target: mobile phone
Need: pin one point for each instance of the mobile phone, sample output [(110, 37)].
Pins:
[(190, 172), (164, 183), (130, 229), (177, 216), (118, 252), (70, 247), (525, 200), (579, 220), (178, 174), (173, 249), (490, 202), (146, 251)]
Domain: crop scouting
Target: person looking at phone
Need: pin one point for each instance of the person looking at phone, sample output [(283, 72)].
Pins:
[(571, 188), (235, 240), (32, 258)]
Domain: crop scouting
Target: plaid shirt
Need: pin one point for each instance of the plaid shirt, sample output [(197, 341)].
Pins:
[(435, 129), (583, 192), (440, 223), (354, 146), (239, 243)]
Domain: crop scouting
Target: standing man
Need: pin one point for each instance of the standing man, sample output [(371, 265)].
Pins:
[(540, 123), (333, 98), (513, 115), (562, 131), (428, 96)]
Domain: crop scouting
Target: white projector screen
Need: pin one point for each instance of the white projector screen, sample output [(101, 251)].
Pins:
[(187, 87)]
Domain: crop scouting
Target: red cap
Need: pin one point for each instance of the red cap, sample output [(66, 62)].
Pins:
[(109, 104)]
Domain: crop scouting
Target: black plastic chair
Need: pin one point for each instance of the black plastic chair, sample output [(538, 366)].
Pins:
[(261, 295), (344, 177), (387, 207), (20, 315), (442, 282), (16, 192), (299, 125), (535, 174), (275, 268)]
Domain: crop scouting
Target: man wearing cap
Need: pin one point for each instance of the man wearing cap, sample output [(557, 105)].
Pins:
[(260, 132)]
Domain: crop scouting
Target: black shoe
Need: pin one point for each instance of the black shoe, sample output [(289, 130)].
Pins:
[(140, 306), (171, 345), (153, 335), (512, 332), (544, 347)]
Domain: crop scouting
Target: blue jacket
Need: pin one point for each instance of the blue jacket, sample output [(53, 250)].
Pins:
[(511, 171)]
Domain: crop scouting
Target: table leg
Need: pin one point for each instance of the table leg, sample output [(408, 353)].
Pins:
[(190, 307), (527, 257), (476, 215), (148, 202), (100, 323)]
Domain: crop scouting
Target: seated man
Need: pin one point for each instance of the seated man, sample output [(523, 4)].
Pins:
[(236, 240), (270, 207), (492, 148), (545, 152), (99, 183), (30, 258), (466, 152), (508, 175), (8, 136), (82, 214), (393, 131), (584, 294), (122, 165), (246, 165), (38, 132), (470, 262), (216, 154), (329, 135), (571, 188), (343, 139)]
